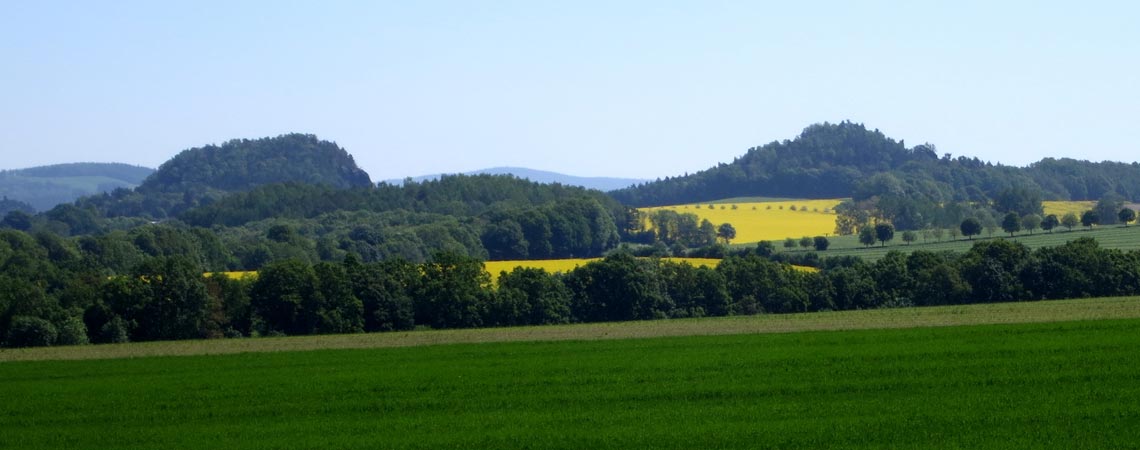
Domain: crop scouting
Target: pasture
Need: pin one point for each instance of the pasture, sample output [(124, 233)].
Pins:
[(1060, 384), (767, 220)]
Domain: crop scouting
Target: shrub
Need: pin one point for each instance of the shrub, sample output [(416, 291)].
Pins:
[(31, 332), (72, 332)]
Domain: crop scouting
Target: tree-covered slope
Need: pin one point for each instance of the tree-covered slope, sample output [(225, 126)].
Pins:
[(240, 165), (46, 186), (206, 174), (849, 160)]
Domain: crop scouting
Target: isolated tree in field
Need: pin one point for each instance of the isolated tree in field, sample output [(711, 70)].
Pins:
[(1011, 223), (971, 227), (909, 236), (789, 243), (954, 233), (1070, 220), (806, 242), (1090, 218), (1031, 222), (937, 232), (867, 236), (726, 231), (1126, 215), (1050, 222), (884, 232), (821, 243)]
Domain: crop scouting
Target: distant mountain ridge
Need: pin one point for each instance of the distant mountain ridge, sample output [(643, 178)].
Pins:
[(543, 176), (44, 187)]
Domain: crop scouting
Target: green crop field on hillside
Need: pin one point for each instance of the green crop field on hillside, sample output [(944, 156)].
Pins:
[(1044, 385), (1111, 236)]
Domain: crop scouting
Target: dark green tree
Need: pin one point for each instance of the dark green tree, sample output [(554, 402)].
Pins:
[(282, 298), (867, 236), (1126, 215), (1090, 218), (28, 331), (806, 242), (765, 248), (909, 236), (385, 289), (971, 227), (175, 302), (1050, 222), (821, 243), (727, 232), (338, 310), (530, 296), (1030, 222), (1070, 220), (619, 287), (453, 293), (884, 232), (1011, 223), (18, 220)]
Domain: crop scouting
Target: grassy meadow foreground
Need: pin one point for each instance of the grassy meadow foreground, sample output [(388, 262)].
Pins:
[(1062, 384)]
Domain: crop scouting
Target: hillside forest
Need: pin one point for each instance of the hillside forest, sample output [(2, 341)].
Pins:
[(336, 253)]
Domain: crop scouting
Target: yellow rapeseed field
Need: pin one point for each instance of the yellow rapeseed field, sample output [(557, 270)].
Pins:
[(239, 275), (1062, 208), (772, 221), (566, 265)]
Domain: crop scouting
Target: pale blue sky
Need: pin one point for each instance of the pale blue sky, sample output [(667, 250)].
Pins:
[(639, 89)]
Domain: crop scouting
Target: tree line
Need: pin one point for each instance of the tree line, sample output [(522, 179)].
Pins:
[(51, 294)]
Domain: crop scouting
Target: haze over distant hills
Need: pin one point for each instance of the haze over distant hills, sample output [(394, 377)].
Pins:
[(543, 176), (46, 186)]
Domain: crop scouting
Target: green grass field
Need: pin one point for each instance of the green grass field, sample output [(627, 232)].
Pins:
[(1043, 385), (1112, 236)]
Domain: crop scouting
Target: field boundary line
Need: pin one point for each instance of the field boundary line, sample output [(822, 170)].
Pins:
[(918, 317)]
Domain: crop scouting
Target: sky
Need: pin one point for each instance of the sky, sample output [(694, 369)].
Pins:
[(642, 89)]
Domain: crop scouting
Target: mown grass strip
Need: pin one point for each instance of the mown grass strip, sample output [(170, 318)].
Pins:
[(1056, 385), (1026, 312)]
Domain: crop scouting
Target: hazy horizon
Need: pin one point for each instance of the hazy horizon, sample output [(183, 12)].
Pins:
[(632, 90)]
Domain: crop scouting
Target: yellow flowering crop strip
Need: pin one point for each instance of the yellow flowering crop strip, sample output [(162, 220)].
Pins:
[(757, 221), (1062, 208)]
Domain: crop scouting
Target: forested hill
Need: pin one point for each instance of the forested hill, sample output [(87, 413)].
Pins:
[(46, 186), (842, 160), (240, 165), (206, 174)]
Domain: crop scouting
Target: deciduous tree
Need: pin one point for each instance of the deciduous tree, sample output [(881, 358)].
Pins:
[(971, 227)]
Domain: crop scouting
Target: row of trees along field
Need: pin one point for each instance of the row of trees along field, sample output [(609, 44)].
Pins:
[(1011, 223), (53, 292)]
